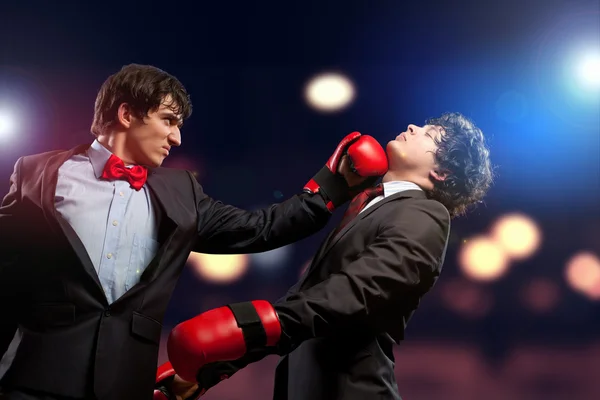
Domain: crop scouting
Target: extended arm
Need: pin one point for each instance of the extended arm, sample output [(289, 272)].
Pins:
[(226, 229), (365, 294)]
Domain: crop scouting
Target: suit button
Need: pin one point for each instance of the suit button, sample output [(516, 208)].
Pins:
[(107, 313)]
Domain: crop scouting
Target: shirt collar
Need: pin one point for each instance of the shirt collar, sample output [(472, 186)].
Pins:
[(393, 187), (98, 155)]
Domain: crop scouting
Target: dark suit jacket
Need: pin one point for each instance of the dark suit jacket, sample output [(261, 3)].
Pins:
[(356, 299), (74, 343)]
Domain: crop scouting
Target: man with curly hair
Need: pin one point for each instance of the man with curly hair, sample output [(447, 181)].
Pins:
[(336, 327)]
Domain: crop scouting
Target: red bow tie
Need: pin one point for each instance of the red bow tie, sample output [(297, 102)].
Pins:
[(115, 169)]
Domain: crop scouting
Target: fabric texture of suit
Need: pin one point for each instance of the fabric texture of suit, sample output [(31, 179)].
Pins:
[(73, 343), (356, 298), (353, 303), (342, 318)]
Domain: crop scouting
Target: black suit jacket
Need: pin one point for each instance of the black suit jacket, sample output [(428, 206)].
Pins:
[(356, 298), (74, 343)]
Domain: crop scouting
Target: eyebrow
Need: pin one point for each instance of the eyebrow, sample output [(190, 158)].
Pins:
[(168, 113), (172, 115)]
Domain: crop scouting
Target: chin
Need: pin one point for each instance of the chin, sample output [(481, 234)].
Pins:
[(391, 147), (153, 163)]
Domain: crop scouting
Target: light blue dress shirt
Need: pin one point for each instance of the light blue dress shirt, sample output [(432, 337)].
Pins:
[(116, 224)]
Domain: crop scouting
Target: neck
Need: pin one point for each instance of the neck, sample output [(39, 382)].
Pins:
[(405, 176), (115, 143)]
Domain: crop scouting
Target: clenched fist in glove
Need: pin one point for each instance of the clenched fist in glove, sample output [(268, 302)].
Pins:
[(366, 161), (169, 386), (217, 343)]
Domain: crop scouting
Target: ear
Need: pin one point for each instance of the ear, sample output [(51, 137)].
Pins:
[(438, 174), (124, 115)]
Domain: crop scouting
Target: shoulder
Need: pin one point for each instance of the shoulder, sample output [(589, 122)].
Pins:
[(35, 163), (170, 173), (176, 177), (418, 213), (40, 157), (430, 207)]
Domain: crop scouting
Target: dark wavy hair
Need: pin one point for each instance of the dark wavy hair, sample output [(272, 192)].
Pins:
[(144, 88), (463, 154)]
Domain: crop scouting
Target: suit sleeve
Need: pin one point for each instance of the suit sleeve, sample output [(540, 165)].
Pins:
[(8, 263), (224, 229), (369, 292)]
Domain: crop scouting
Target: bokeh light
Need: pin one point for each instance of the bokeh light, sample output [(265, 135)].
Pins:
[(482, 259), (582, 273), (465, 298), (541, 295), (329, 92), (517, 234), (219, 268)]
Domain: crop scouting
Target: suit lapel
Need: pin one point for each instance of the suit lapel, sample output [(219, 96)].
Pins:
[(48, 181), (333, 239), (162, 197), (57, 223), (368, 211), (324, 245)]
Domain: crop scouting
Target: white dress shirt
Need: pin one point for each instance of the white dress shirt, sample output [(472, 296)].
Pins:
[(390, 188)]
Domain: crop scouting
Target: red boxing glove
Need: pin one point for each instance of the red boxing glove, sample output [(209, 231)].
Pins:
[(366, 157), (222, 334), (164, 378)]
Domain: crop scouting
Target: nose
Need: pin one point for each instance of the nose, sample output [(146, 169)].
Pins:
[(175, 137), (412, 129)]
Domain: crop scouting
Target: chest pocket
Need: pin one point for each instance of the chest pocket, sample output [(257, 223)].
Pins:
[(143, 251)]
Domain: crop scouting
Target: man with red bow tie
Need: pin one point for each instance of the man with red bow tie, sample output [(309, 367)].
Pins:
[(94, 239)]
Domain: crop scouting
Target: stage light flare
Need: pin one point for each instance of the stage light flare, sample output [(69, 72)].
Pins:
[(589, 70), (518, 235), (582, 273), (329, 92), (482, 259), (8, 124), (219, 268)]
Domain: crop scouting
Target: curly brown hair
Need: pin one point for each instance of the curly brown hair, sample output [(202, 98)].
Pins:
[(144, 88), (463, 154)]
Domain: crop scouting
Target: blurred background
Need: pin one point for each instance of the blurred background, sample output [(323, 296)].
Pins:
[(276, 85)]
